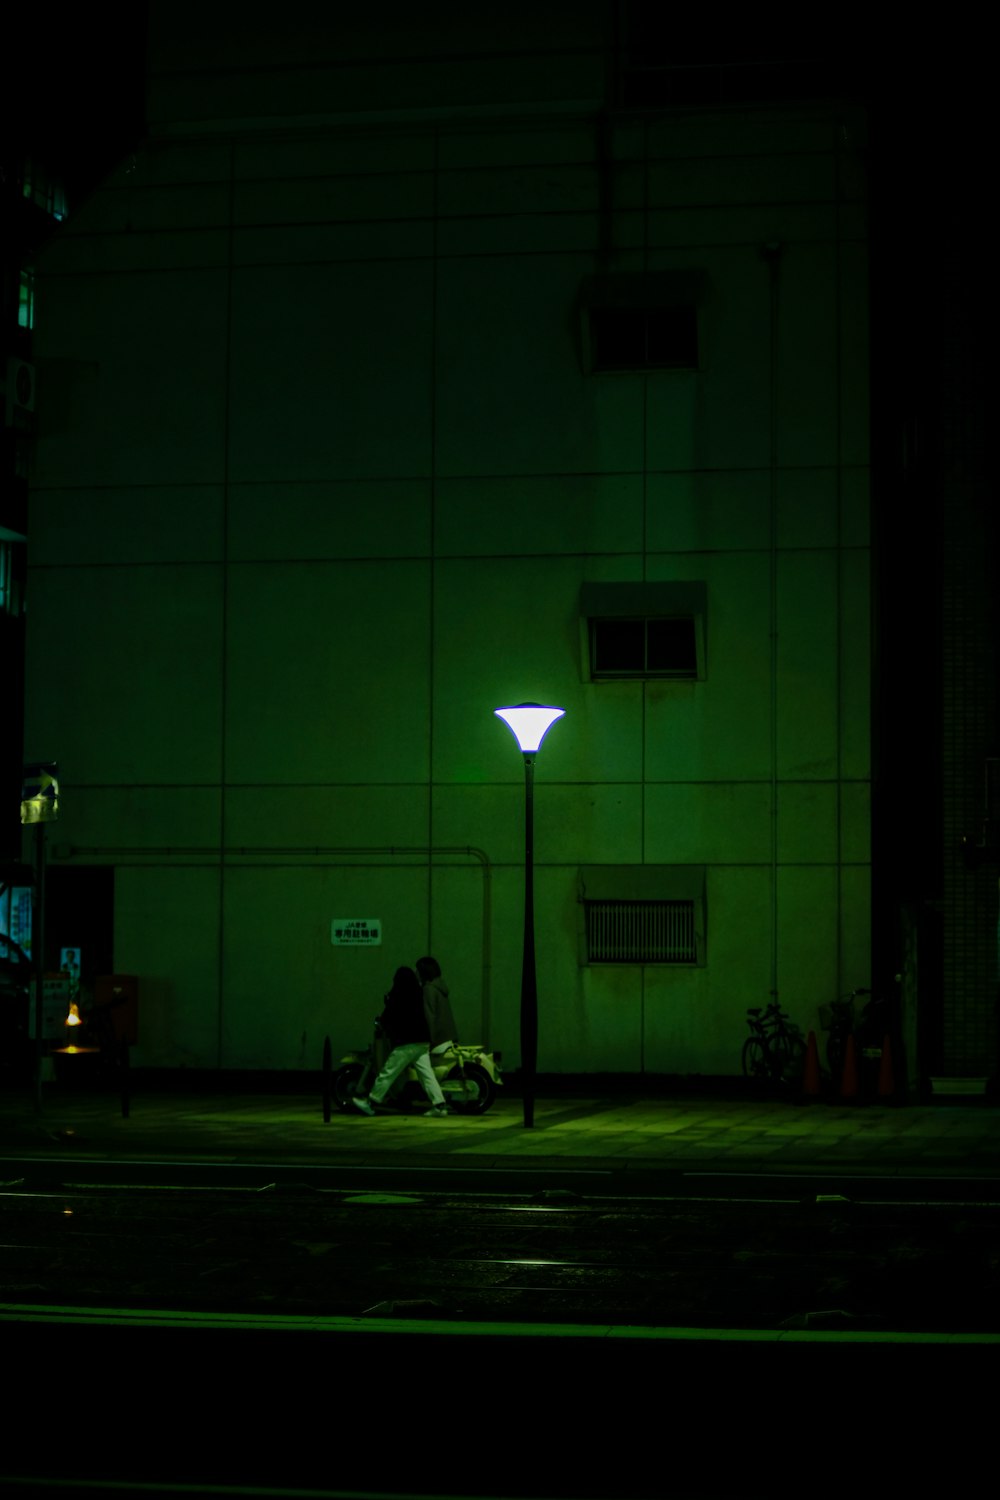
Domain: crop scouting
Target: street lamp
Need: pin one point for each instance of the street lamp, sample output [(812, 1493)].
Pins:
[(529, 723), (39, 806)]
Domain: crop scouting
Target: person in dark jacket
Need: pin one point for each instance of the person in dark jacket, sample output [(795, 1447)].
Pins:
[(437, 1006), (406, 1024)]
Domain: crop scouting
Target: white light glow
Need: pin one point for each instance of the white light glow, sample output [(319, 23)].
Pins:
[(529, 723)]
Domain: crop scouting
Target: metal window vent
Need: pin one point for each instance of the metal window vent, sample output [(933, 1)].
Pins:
[(641, 932)]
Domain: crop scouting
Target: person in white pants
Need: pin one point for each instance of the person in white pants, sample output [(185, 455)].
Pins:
[(406, 1024)]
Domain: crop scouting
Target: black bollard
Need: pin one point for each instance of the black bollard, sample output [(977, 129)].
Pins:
[(327, 1080), (125, 1076)]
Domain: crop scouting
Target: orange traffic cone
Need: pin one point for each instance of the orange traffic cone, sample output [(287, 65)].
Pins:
[(810, 1072), (886, 1078), (849, 1086)]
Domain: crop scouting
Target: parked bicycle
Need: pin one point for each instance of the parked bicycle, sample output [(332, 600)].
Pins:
[(775, 1050)]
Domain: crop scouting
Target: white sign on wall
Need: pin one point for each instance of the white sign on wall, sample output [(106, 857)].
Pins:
[(356, 932)]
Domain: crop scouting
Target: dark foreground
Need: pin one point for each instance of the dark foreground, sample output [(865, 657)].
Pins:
[(229, 1329), (300, 1410)]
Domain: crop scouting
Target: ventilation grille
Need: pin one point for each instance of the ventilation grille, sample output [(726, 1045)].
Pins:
[(641, 932)]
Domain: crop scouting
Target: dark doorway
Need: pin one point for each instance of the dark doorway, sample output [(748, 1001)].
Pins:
[(80, 914)]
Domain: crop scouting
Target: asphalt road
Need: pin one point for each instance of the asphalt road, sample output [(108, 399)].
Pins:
[(794, 1254)]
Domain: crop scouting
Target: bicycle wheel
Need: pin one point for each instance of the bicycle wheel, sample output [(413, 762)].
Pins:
[(836, 1050), (787, 1058), (754, 1060)]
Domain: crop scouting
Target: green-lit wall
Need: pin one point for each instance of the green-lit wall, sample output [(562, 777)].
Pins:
[(319, 476)]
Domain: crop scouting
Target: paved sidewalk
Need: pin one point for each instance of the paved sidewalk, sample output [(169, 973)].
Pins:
[(623, 1134)]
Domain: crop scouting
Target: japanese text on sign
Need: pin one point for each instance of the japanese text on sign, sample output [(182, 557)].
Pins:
[(356, 932)]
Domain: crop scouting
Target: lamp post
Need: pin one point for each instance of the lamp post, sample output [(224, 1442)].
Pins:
[(529, 723), (39, 805)]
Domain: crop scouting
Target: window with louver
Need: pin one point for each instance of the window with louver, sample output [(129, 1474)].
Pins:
[(641, 932)]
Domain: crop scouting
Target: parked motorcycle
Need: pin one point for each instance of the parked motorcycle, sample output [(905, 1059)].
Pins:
[(469, 1077)]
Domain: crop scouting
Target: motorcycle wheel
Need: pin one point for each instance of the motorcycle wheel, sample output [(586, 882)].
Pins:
[(473, 1097), (345, 1083)]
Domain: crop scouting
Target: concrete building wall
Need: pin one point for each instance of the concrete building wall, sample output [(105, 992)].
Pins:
[(319, 477)]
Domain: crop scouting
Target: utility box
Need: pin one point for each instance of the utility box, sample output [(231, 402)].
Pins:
[(119, 994)]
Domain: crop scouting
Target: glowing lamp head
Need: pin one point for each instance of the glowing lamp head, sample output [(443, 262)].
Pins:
[(529, 723)]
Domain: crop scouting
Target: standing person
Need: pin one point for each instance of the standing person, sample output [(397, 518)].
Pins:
[(406, 1024), (437, 1006)]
